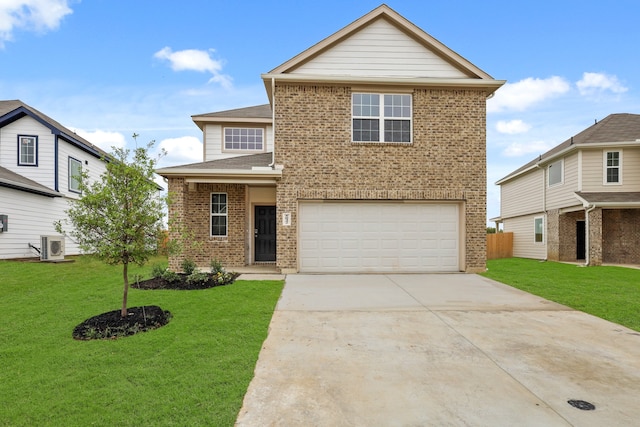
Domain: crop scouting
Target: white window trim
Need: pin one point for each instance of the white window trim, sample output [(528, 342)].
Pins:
[(211, 215), (231, 150), (72, 159), (549, 184), (541, 218), (604, 167), (381, 118), (35, 150)]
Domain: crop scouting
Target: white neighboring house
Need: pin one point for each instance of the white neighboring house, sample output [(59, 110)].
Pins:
[(39, 163)]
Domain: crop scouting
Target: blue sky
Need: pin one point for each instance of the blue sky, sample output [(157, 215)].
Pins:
[(109, 68)]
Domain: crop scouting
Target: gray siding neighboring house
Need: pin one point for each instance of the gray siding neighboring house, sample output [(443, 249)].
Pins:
[(580, 201)]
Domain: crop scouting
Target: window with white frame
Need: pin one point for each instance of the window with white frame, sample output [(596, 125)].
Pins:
[(27, 150), (612, 165), (244, 139), (555, 173), (538, 229), (381, 117), (75, 174), (218, 214)]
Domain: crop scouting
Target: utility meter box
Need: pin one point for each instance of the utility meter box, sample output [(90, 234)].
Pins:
[(4, 223)]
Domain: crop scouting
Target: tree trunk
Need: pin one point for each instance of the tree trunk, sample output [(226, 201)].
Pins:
[(125, 276)]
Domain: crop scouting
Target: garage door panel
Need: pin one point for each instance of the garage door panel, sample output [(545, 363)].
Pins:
[(378, 237)]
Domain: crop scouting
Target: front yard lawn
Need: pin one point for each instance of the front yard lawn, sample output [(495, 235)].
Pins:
[(612, 293), (194, 371)]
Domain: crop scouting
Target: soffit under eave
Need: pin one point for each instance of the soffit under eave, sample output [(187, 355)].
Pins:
[(404, 25)]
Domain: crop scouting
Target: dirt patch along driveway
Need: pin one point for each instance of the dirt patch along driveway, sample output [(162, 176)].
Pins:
[(440, 349)]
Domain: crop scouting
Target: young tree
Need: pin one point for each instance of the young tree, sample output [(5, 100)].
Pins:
[(118, 218)]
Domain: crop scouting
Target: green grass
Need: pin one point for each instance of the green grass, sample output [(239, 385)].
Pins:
[(612, 293), (192, 372)]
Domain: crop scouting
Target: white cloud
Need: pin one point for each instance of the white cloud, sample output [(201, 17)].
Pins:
[(517, 149), (182, 150), (523, 94), (104, 139), (512, 127), (195, 60), (36, 15), (594, 83)]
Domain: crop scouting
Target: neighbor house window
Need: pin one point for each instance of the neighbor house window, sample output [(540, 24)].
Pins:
[(612, 161), (75, 169), (555, 173), (218, 214), (27, 150), (538, 229), (246, 139), (381, 117)]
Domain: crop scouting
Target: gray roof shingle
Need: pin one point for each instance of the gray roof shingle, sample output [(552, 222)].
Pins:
[(602, 197), (11, 179), (241, 162), (622, 127), (255, 112)]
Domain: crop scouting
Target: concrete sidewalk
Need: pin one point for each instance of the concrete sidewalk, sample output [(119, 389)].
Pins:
[(437, 350)]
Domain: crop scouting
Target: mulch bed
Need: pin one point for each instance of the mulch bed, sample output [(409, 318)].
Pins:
[(182, 284), (112, 325)]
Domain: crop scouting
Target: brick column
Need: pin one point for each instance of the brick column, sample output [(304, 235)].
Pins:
[(595, 237), (553, 235), (176, 216)]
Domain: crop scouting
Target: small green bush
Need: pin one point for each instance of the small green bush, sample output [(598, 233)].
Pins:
[(157, 270), (170, 276), (216, 267), (197, 278), (188, 266)]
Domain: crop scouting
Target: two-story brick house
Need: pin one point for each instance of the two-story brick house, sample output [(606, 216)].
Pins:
[(40, 162), (369, 157), (580, 201)]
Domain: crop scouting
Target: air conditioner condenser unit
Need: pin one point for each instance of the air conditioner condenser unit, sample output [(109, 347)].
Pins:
[(51, 248)]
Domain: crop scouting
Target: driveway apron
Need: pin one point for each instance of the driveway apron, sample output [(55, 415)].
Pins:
[(438, 350)]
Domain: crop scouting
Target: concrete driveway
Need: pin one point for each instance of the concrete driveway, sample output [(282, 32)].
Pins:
[(437, 350)]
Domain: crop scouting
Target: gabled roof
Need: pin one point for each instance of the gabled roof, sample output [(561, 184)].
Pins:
[(16, 181), (474, 75), (615, 129), (255, 114), (13, 110)]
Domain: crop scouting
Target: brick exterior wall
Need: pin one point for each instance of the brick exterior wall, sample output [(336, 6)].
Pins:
[(552, 234), (190, 213), (595, 237), (567, 235), (621, 236), (446, 161)]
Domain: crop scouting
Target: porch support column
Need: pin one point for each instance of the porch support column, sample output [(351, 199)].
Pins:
[(553, 235), (595, 236), (177, 190)]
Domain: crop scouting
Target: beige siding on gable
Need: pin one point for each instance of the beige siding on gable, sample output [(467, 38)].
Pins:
[(593, 170), (524, 245), (562, 195), (380, 49), (213, 141), (523, 195)]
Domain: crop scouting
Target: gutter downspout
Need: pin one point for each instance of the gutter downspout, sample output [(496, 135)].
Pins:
[(273, 122), (586, 238)]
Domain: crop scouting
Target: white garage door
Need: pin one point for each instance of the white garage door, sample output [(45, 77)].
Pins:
[(362, 237)]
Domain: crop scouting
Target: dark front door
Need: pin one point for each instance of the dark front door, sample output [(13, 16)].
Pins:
[(580, 240), (265, 233)]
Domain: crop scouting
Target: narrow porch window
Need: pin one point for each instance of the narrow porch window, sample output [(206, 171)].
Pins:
[(538, 226), (218, 214)]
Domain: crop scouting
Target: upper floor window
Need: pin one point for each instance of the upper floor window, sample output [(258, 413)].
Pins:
[(612, 165), (381, 117), (251, 139), (75, 174), (27, 150), (555, 173), (219, 214)]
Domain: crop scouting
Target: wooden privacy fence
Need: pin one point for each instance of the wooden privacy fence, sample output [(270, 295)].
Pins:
[(499, 245)]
